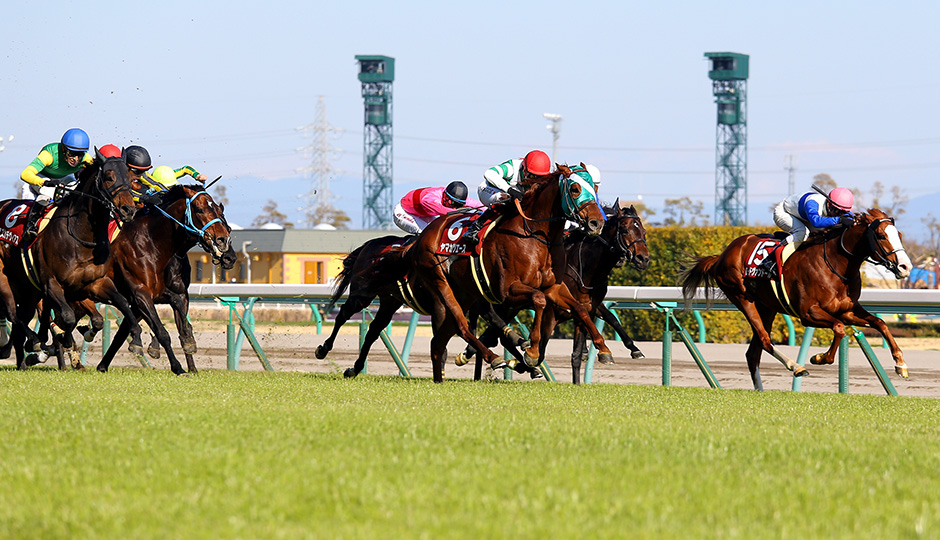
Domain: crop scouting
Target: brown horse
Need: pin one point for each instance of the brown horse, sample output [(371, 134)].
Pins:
[(70, 258), (590, 262), (822, 281), (521, 264), (150, 264), (370, 271)]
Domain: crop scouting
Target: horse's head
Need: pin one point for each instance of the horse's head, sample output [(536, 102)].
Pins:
[(205, 219), (629, 236), (112, 184), (579, 199), (883, 242)]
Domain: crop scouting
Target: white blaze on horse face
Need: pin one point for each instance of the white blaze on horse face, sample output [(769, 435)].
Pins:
[(904, 262)]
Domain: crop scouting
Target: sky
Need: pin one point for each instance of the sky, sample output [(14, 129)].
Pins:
[(849, 89)]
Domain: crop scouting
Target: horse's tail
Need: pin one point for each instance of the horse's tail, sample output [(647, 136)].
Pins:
[(699, 275), (344, 278)]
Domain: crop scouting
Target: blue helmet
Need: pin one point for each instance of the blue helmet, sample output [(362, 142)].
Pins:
[(75, 139)]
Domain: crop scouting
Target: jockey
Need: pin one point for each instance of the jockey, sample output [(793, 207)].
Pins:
[(502, 183), (55, 165), (420, 207), (801, 214), (162, 178)]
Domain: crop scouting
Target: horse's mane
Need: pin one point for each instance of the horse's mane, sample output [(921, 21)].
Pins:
[(828, 234)]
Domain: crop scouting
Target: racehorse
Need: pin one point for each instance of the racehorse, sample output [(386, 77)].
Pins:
[(521, 261), (370, 271), (590, 261), (821, 279), (151, 266), (70, 258)]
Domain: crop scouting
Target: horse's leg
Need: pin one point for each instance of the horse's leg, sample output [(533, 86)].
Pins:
[(817, 316), (578, 353), (143, 302), (64, 316), (559, 295), (611, 319), (119, 337), (859, 315), (755, 319), (96, 321), (444, 329), (352, 305), (387, 308), (447, 308), (756, 347)]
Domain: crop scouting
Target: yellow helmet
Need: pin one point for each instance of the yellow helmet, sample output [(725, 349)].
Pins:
[(165, 176)]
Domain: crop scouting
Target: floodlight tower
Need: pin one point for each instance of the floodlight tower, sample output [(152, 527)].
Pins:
[(376, 74), (728, 73)]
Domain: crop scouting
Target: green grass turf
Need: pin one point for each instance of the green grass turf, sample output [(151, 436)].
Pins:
[(143, 454)]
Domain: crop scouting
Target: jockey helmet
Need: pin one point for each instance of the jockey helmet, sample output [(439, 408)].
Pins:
[(164, 176), (455, 194), (137, 157), (75, 139), (110, 151), (595, 175), (537, 162), (842, 198)]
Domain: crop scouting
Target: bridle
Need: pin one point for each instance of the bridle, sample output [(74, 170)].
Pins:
[(626, 250), (877, 254), (570, 209), (104, 196), (190, 226)]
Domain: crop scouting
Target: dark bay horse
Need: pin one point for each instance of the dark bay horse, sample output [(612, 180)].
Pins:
[(821, 278), (590, 262), (521, 264), (70, 259), (371, 270), (151, 266)]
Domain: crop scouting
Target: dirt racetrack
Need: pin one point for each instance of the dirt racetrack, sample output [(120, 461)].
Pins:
[(291, 348)]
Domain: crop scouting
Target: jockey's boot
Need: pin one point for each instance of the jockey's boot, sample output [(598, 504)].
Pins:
[(473, 231), (31, 228)]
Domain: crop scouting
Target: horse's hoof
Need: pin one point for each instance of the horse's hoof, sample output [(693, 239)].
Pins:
[(530, 361), (101, 369), (182, 374), (500, 363), (536, 374), (189, 346), (136, 349), (321, 353), (605, 358), (350, 373), (78, 367), (637, 355), (461, 359), (902, 371), (819, 359), (154, 352), (31, 359), (800, 371)]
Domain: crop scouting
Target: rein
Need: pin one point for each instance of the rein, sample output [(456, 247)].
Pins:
[(190, 226), (107, 202), (626, 250), (874, 248)]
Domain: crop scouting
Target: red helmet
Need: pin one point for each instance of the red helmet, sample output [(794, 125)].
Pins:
[(110, 151), (537, 162)]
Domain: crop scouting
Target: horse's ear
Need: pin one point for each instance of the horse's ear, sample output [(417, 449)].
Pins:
[(583, 166), (98, 156), (617, 203)]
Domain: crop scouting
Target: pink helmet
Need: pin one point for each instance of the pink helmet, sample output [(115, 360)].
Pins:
[(842, 198)]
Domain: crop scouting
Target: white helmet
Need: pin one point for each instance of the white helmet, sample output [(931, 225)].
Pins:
[(595, 175)]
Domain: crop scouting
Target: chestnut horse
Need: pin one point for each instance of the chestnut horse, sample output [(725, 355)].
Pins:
[(522, 262), (70, 258), (590, 262), (821, 278), (151, 266)]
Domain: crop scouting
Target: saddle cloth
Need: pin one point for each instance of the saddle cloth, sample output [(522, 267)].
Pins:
[(764, 260), (13, 221), (452, 242)]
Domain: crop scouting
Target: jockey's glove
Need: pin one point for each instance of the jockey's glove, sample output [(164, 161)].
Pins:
[(516, 192), (151, 198), (51, 182), (846, 221)]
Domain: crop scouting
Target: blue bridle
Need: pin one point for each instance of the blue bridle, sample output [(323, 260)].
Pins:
[(190, 226)]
